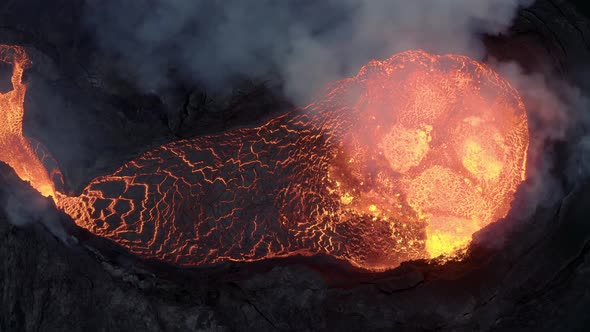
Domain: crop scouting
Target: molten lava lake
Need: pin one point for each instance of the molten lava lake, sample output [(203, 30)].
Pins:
[(405, 160)]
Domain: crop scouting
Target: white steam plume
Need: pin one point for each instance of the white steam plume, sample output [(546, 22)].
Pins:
[(306, 42)]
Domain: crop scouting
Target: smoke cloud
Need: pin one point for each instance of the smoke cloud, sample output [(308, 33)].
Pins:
[(559, 125), (559, 148), (307, 43), (20, 211), (22, 205)]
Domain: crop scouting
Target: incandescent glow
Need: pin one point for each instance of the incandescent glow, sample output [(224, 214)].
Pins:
[(441, 142), (406, 160), (15, 149)]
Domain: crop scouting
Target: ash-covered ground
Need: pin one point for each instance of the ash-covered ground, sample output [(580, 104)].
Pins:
[(92, 118)]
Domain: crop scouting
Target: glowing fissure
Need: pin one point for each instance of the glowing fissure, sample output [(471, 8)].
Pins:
[(404, 161)]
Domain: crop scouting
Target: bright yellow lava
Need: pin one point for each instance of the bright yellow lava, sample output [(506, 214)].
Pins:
[(481, 163), (445, 132), (404, 161)]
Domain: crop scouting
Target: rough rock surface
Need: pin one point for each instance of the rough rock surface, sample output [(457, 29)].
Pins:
[(54, 277)]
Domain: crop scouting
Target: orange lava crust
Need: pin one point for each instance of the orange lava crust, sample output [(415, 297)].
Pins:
[(406, 160)]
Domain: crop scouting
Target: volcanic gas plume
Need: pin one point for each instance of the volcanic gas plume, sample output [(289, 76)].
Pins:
[(405, 160)]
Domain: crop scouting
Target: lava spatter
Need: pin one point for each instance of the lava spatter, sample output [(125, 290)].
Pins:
[(403, 161)]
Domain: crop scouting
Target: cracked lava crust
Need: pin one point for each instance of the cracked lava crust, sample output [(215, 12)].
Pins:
[(406, 160)]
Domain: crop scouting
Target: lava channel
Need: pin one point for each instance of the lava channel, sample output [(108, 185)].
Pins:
[(404, 161)]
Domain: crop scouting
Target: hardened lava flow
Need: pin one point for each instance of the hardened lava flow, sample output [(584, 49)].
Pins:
[(406, 160)]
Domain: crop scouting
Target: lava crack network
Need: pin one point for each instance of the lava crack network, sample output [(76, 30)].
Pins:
[(406, 160)]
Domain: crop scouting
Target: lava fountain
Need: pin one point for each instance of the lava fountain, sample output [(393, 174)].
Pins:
[(405, 160)]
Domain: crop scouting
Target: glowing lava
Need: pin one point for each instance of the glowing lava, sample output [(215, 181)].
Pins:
[(406, 160), (15, 149), (441, 142)]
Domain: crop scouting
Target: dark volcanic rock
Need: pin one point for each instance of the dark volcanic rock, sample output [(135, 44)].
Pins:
[(50, 286), (55, 277)]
